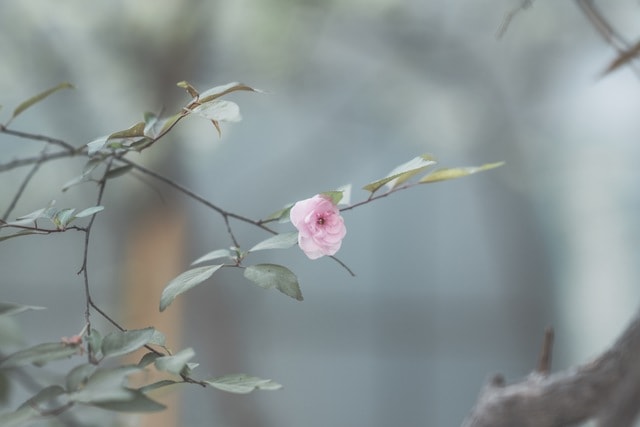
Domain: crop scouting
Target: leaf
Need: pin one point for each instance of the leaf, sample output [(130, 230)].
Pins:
[(39, 354), (89, 211), (39, 97), (157, 385), (282, 215), (402, 173), (106, 385), (218, 253), (138, 402), (78, 376), (20, 417), (242, 383), (119, 171), (184, 282), (158, 338), (96, 145), (187, 86), (30, 218), (85, 176), (176, 363), (123, 342), (94, 341), (218, 91), (62, 218), (148, 359), (452, 173), (218, 111), (270, 276), (9, 309), (334, 196), (132, 132), (279, 241)]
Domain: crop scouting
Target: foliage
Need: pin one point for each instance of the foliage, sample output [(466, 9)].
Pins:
[(98, 377)]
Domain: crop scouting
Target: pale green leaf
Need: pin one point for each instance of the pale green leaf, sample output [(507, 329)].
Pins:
[(402, 173), (89, 211), (279, 241), (39, 97), (148, 359), (39, 354), (106, 385), (63, 217), (282, 215), (242, 383), (273, 276), (334, 196), (159, 384), (176, 363), (138, 402), (119, 171), (218, 91), (452, 173), (9, 309), (188, 87), (94, 341), (96, 145), (21, 417), (218, 110), (218, 253), (122, 342), (78, 376), (184, 282)]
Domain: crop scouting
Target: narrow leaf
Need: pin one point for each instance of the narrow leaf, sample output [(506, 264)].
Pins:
[(106, 385), (119, 171), (279, 241), (187, 86), (218, 91), (218, 253), (282, 215), (78, 376), (452, 173), (270, 276), (89, 211), (122, 342), (184, 282), (133, 131), (242, 383), (96, 145), (402, 173), (157, 385), (63, 217), (39, 354), (9, 309), (176, 363), (94, 341), (39, 97), (138, 402)]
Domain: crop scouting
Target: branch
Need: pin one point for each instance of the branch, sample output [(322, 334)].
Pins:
[(606, 390)]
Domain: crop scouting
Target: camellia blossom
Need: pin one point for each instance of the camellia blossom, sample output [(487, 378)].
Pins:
[(320, 226)]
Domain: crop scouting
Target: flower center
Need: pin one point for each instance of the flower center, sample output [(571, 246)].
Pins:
[(320, 221)]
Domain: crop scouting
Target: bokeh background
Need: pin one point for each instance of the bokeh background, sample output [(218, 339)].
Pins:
[(454, 281)]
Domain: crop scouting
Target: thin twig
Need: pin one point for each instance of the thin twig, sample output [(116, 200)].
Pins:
[(35, 137), (23, 185), (544, 361)]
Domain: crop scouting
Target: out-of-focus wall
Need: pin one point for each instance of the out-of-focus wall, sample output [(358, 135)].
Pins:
[(454, 281)]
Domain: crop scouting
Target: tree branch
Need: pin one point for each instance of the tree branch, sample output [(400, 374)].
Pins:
[(606, 389)]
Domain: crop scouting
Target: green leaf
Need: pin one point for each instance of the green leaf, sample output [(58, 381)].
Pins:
[(184, 282), (119, 171), (138, 402), (62, 218), (242, 383), (106, 385), (94, 341), (148, 359), (270, 276), (39, 97), (39, 354), (9, 308), (174, 364), (218, 91), (218, 110), (89, 211), (452, 173), (122, 342), (78, 376), (159, 384), (187, 86), (85, 176), (132, 132), (96, 145), (279, 241), (218, 253), (334, 196), (22, 417), (402, 173), (282, 215), (30, 218), (158, 338)]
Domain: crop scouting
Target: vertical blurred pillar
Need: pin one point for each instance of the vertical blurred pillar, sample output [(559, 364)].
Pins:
[(155, 251)]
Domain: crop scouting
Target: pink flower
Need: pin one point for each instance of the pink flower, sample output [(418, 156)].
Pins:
[(320, 226)]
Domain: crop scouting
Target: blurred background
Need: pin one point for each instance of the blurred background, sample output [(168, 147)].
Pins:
[(454, 282)]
